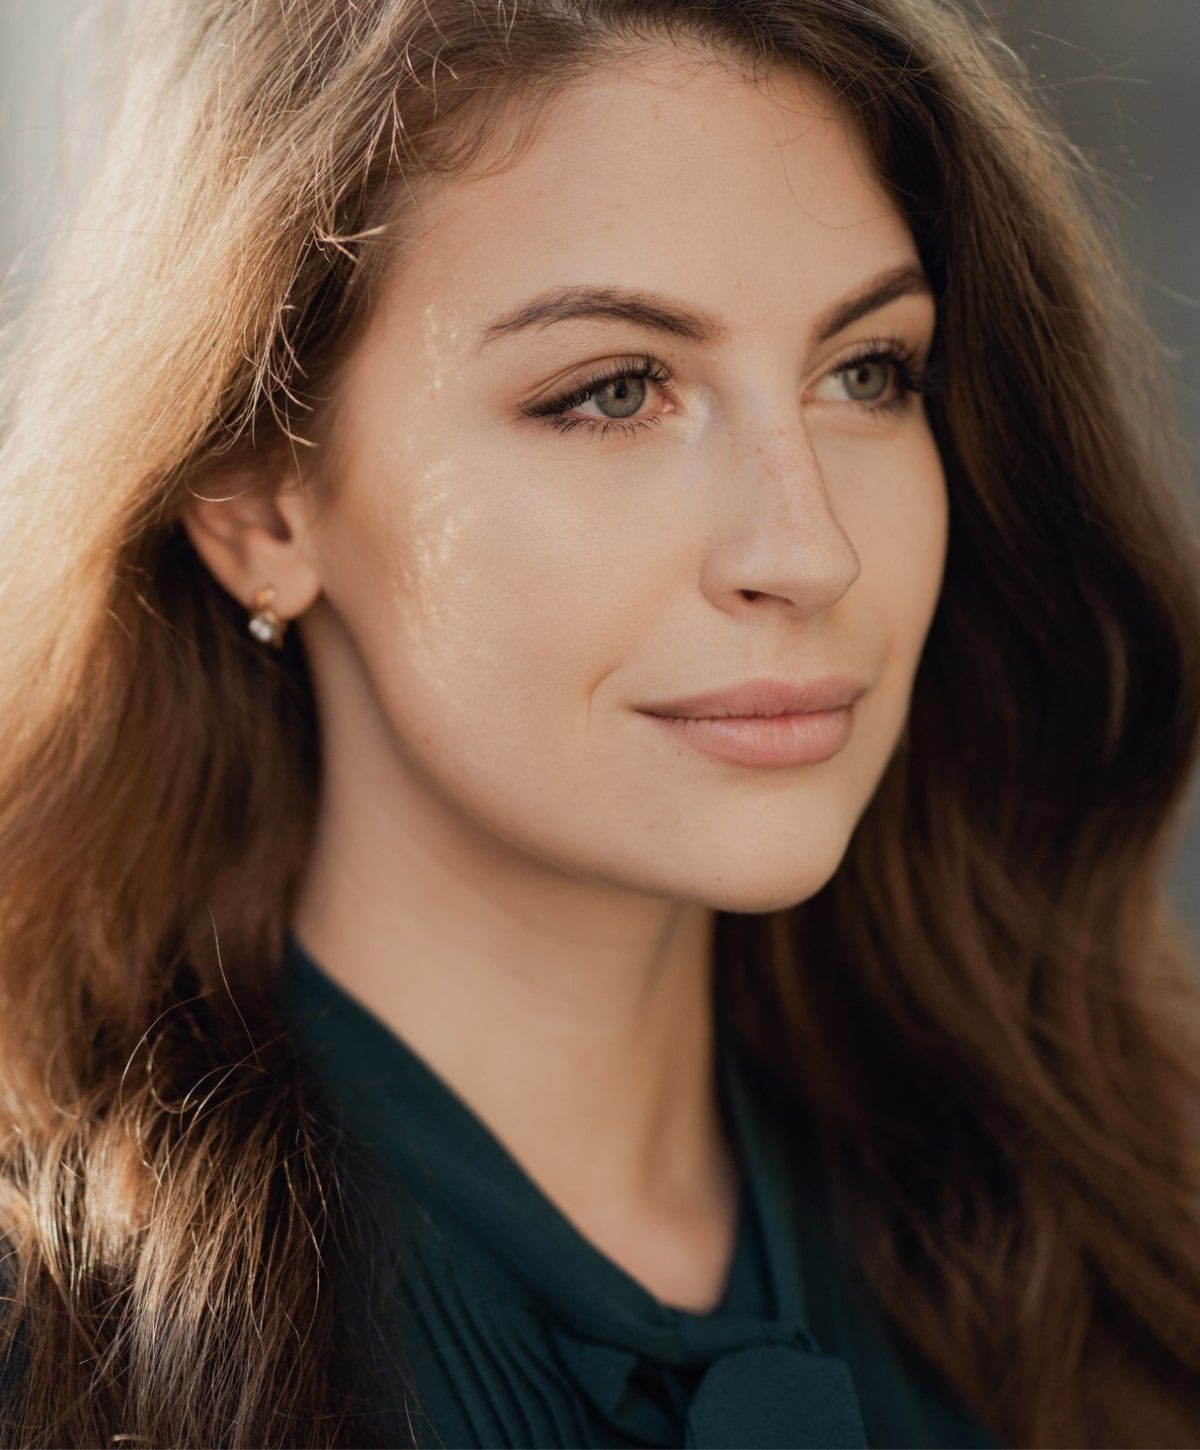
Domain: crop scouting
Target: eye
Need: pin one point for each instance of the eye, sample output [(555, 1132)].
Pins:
[(867, 381), (879, 378), (619, 392)]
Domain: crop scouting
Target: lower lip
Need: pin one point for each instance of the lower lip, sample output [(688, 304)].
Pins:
[(766, 739)]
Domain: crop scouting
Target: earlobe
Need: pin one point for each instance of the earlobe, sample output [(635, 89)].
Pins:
[(246, 534)]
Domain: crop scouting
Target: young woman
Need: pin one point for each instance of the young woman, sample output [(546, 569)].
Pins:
[(601, 658)]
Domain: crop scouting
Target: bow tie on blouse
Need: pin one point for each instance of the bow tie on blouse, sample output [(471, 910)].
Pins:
[(754, 1383)]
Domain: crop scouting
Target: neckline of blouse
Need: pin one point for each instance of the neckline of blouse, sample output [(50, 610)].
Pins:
[(441, 1153)]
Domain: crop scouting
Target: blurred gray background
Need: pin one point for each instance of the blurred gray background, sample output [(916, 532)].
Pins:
[(1123, 76)]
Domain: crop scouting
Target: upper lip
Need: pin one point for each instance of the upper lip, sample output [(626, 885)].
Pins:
[(763, 697)]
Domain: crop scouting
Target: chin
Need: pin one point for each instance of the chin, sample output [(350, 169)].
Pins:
[(752, 893)]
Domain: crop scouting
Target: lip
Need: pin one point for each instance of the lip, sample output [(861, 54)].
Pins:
[(765, 740), (763, 697)]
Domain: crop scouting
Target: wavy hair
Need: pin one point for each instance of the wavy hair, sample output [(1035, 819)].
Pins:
[(989, 1014)]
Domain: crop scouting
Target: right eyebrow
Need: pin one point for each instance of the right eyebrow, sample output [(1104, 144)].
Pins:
[(618, 304)]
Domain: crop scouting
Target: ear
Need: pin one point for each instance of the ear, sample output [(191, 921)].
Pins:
[(252, 530)]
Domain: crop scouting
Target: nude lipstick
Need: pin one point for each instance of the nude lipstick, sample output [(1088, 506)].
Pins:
[(764, 722)]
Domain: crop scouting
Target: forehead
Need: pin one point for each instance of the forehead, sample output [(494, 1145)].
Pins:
[(758, 201)]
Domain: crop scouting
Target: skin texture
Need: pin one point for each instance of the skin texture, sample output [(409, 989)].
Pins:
[(513, 869)]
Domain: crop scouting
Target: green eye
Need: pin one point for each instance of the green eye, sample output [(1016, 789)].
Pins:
[(627, 398), (867, 379), (621, 388), (880, 378)]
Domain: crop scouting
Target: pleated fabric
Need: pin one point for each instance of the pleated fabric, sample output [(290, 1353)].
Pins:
[(488, 1319)]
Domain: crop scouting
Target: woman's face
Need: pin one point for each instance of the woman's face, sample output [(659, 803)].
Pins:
[(510, 580)]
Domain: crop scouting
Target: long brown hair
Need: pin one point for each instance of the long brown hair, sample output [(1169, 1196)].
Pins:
[(990, 1014)]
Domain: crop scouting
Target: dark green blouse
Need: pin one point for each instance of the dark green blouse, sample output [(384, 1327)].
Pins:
[(513, 1329)]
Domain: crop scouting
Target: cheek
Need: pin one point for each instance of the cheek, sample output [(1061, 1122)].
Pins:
[(480, 603), (484, 619)]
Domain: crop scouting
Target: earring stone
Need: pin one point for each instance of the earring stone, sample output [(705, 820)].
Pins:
[(264, 624)]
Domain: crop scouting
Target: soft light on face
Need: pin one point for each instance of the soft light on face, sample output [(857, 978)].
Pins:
[(516, 574)]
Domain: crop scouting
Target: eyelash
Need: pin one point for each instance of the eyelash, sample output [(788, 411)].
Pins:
[(910, 379)]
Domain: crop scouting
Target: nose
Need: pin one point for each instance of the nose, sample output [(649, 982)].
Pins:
[(777, 541)]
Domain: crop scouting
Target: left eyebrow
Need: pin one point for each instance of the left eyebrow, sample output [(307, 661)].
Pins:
[(675, 319), (906, 280)]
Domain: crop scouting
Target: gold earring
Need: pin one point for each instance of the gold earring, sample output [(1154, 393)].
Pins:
[(264, 624)]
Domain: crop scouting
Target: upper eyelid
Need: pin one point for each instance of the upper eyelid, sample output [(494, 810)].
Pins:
[(627, 367)]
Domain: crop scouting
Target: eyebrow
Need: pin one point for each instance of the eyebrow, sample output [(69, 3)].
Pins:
[(674, 319)]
